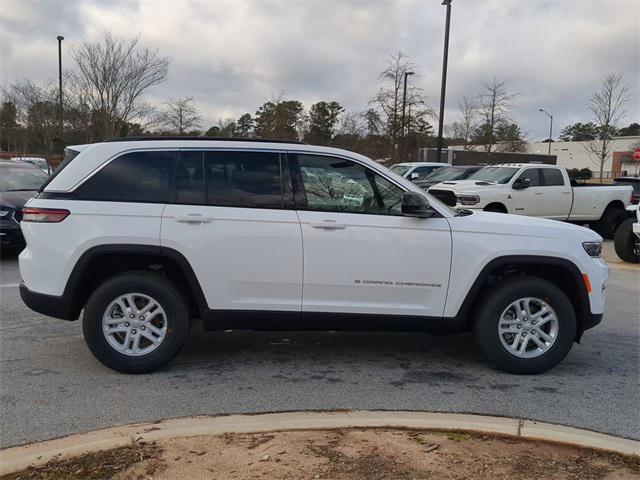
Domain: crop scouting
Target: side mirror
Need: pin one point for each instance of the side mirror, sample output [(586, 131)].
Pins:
[(521, 184), (416, 205), (415, 175)]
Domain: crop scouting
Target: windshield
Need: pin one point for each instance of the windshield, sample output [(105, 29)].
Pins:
[(401, 169), (20, 178), (443, 174), (494, 174)]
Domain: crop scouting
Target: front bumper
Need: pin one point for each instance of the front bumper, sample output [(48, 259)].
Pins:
[(11, 235), (51, 305)]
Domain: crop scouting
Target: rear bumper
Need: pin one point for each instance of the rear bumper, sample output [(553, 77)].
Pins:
[(50, 305)]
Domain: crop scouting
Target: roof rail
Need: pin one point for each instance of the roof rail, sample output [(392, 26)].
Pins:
[(182, 137)]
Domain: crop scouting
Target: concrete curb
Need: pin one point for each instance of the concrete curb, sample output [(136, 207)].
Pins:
[(18, 458)]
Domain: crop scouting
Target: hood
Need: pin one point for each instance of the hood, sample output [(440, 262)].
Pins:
[(467, 186), (520, 226), (16, 200)]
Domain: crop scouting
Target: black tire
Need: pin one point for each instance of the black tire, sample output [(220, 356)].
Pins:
[(165, 293), (608, 224), (496, 208), (626, 243), (498, 298)]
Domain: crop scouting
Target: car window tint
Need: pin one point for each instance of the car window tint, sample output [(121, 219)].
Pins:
[(533, 174), (552, 177), (337, 185), (132, 177), (189, 178), (243, 179)]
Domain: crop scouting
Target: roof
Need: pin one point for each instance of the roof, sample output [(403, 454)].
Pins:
[(521, 165), (192, 138)]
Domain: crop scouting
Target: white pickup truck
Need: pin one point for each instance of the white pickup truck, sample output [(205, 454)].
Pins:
[(538, 190)]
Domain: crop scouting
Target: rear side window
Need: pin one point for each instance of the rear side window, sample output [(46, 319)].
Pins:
[(229, 179), (552, 177), (133, 177), (243, 179)]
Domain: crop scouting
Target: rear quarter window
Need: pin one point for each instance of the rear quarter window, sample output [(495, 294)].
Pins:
[(132, 177)]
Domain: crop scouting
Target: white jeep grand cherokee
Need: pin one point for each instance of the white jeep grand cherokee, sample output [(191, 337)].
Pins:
[(143, 235)]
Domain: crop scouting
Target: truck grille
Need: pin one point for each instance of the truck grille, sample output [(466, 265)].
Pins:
[(445, 196)]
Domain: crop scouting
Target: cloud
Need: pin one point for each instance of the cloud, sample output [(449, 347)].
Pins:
[(231, 56)]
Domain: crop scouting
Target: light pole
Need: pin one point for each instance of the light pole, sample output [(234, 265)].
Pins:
[(445, 60), (404, 106), (550, 127), (60, 127)]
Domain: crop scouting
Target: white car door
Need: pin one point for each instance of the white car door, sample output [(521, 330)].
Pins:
[(527, 201), (360, 254), (234, 221), (557, 197)]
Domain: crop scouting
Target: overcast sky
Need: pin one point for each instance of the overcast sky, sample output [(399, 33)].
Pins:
[(231, 56)]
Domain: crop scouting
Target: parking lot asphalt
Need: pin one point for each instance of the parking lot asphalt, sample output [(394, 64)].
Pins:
[(50, 385)]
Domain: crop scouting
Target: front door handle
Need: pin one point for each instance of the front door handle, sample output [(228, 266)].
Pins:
[(537, 193), (328, 225), (193, 218)]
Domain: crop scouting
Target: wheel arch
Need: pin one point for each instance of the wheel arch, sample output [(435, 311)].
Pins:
[(103, 261), (497, 205), (613, 204), (561, 272)]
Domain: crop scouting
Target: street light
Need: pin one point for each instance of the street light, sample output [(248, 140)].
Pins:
[(550, 127), (60, 131), (404, 105), (445, 59)]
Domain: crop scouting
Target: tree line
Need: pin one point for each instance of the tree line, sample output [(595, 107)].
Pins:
[(104, 95)]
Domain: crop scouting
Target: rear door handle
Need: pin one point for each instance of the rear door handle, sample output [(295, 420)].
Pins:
[(328, 225), (193, 218)]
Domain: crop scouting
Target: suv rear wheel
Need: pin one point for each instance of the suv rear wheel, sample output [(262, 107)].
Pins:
[(136, 322), (526, 325)]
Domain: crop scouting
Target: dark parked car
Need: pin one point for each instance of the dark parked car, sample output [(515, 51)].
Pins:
[(18, 183), (634, 182), (447, 173)]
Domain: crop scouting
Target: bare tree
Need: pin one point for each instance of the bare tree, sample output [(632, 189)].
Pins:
[(495, 104), (36, 113), (180, 115), (607, 108), (463, 128), (388, 100), (113, 74)]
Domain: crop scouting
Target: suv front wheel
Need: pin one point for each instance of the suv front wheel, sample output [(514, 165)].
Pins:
[(526, 325), (136, 322)]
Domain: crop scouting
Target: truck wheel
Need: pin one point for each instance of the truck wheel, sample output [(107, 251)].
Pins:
[(626, 243), (136, 322), (525, 325), (611, 219)]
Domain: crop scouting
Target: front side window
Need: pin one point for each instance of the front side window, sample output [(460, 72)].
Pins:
[(132, 177), (533, 174), (552, 177), (337, 185)]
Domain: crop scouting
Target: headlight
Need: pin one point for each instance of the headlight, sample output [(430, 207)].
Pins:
[(4, 213), (593, 249), (468, 199)]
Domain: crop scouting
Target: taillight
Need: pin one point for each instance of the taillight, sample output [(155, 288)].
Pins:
[(635, 198), (44, 215)]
